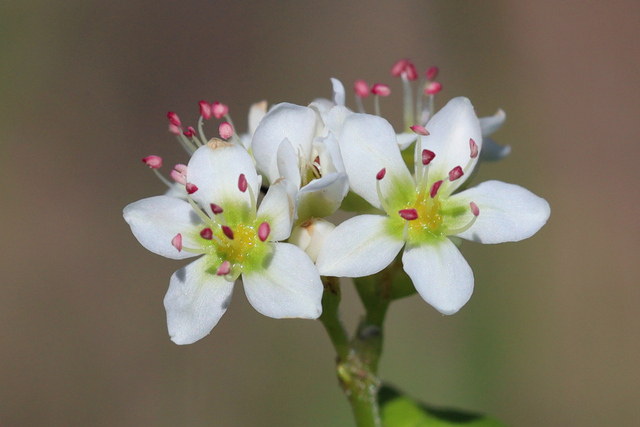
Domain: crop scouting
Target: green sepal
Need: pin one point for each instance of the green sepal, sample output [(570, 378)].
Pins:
[(398, 410)]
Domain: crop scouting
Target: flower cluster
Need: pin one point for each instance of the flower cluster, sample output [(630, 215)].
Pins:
[(407, 189)]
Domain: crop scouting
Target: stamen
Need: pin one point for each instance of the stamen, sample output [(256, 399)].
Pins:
[(408, 214), (410, 71), (455, 173), (380, 89), (177, 242), (263, 231), (383, 202), (154, 162), (242, 183), (434, 188), (432, 88), (219, 110), (431, 73), (174, 119), (191, 188), (427, 156), (226, 130), (216, 209), (473, 148), (476, 212), (190, 132), (227, 231), (420, 130), (361, 88), (206, 234), (399, 67), (224, 269), (205, 110)]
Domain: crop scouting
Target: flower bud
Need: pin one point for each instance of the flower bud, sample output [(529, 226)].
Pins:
[(310, 235)]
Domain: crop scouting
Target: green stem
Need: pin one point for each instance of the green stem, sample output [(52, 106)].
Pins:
[(357, 361)]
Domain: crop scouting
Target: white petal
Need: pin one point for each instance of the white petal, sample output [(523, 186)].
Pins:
[(405, 139), (322, 197), (288, 163), (491, 151), (450, 130), (368, 144), (334, 119), (491, 124), (256, 113), (289, 286), (156, 221), (440, 274), (215, 170), (338, 92), (508, 212), (296, 123), (329, 153), (195, 301), (358, 247), (277, 208)]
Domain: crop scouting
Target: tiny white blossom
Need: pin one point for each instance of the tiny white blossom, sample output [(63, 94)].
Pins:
[(291, 142), (220, 221), (423, 210)]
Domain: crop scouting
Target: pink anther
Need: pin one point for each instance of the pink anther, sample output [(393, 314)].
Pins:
[(205, 110), (226, 130), (427, 156), (381, 174), (361, 88), (474, 209), (380, 89), (408, 214), (420, 130), (154, 162), (177, 242), (433, 88), (263, 231), (219, 110), (224, 269), (191, 188), (206, 234)]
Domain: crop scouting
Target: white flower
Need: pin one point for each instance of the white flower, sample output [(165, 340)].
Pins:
[(291, 142), (220, 222), (422, 211)]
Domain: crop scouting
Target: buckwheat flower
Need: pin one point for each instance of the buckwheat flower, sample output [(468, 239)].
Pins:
[(291, 142), (423, 211), (220, 223)]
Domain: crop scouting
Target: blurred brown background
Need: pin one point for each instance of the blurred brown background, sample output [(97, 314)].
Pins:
[(551, 335)]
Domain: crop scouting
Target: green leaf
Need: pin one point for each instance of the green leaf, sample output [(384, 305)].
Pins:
[(398, 410)]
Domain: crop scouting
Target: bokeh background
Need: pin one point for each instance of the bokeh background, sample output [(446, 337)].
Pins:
[(551, 335)]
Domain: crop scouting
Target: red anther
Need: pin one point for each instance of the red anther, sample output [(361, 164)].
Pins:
[(427, 156), (410, 71), (263, 231), (190, 132), (224, 269), (399, 67), (227, 231), (381, 174), (205, 110), (219, 110), (191, 188), (154, 162), (174, 119), (242, 183), (474, 209), (206, 234), (226, 130), (474, 148), (174, 129), (433, 88), (434, 188), (217, 210), (408, 214), (431, 73), (455, 173), (420, 130), (177, 242), (380, 89), (361, 88)]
